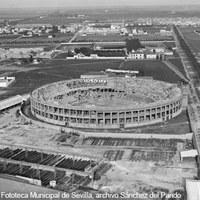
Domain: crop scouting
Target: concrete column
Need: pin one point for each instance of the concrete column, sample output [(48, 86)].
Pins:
[(20, 168), (145, 114), (124, 117), (104, 118), (117, 117)]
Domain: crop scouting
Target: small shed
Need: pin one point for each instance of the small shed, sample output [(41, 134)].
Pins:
[(188, 154)]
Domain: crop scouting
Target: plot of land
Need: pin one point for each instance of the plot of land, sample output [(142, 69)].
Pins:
[(146, 176), (191, 37), (34, 76), (157, 70), (179, 65), (119, 38), (101, 38)]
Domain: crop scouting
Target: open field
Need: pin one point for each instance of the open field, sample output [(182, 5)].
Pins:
[(191, 37), (157, 70), (27, 80), (145, 177), (42, 40), (104, 45), (119, 38), (178, 63), (148, 29), (8, 37), (51, 20), (32, 76), (101, 38)]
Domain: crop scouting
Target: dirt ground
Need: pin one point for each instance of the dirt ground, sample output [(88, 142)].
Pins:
[(143, 176), (14, 131), (123, 176)]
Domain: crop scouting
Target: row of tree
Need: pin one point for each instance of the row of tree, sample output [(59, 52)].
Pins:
[(131, 44)]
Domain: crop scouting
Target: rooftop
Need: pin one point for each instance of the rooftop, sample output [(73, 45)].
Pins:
[(95, 73)]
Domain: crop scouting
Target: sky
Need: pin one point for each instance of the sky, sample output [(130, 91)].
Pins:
[(90, 3)]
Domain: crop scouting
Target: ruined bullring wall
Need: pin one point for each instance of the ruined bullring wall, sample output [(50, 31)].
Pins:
[(103, 118)]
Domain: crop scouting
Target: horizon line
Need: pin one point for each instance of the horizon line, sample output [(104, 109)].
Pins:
[(100, 6)]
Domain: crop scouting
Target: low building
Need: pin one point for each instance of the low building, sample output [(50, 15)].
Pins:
[(94, 75), (158, 49), (151, 55), (189, 154), (12, 102), (79, 56), (94, 56), (168, 53), (136, 55), (193, 189), (6, 81)]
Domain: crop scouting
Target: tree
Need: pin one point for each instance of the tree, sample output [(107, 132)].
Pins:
[(142, 72), (133, 44), (86, 51), (31, 58), (77, 50), (17, 114), (54, 29)]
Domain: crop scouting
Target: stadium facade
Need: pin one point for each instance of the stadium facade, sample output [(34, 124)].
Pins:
[(106, 103)]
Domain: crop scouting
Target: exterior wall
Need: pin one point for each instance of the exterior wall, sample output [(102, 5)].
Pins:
[(136, 56), (94, 76), (6, 82), (151, 56), (108, 119), (90, 58), (3, 84)]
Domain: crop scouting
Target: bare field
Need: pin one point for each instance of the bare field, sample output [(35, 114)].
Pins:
[(125, 175), (158, 70), (101, 38), (178, 63), (146, 176), (119, 38), (12, 40), (32, 76), (191, 37)]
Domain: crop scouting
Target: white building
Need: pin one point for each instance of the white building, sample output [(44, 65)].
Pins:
[(94, 75), (168, 53), (136, 55), (159, 49), (79, 56), (151, 55), (13, 101), (6, 81), (193, 189)]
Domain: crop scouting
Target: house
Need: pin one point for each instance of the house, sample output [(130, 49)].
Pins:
[(136, 55), (168, 53), (151, 55), (158, 49), (94, 75), (6, 81), (193, 189), (94, 56), (79, 56)]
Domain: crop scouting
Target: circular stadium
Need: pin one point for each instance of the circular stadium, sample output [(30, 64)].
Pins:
[(106, 103)]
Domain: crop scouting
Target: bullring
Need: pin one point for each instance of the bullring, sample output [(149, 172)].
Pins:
[(106, 103)]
